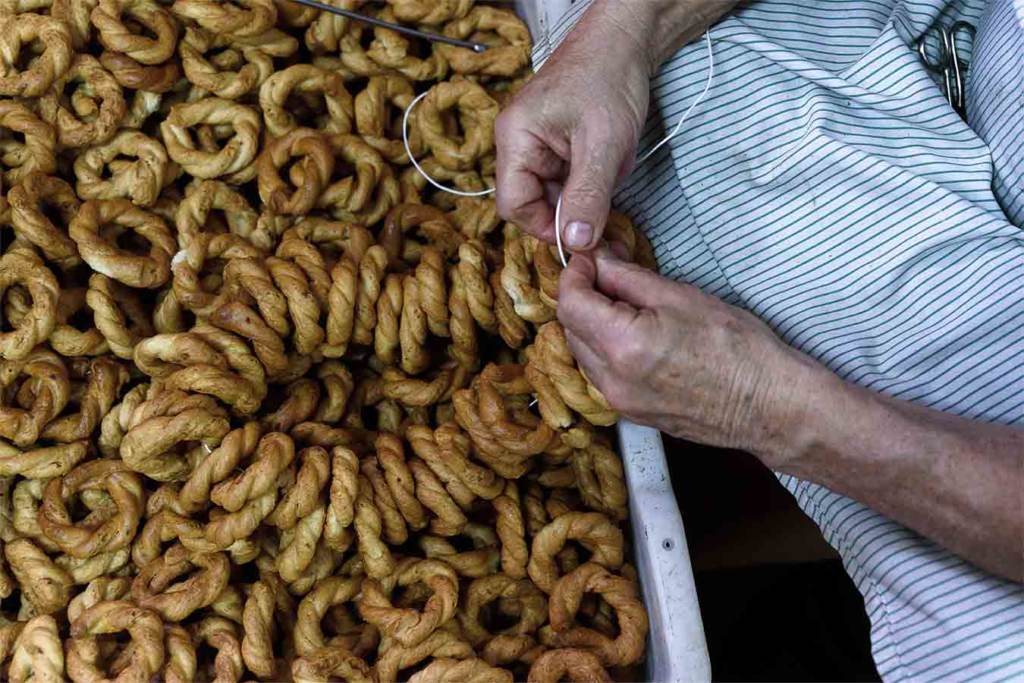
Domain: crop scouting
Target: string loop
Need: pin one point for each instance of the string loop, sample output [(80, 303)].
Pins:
[(558, 205)]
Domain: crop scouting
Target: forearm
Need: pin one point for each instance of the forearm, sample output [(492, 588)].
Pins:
[(660, 26), (958, 482)]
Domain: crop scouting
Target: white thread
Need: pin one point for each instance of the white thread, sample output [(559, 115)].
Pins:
[(558, 205), (700, 98), (416, 164)]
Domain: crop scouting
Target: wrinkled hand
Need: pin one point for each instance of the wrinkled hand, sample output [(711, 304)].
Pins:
[(667, 355), (580, 116)]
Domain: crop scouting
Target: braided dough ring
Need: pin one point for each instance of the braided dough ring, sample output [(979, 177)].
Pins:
[(154, 587), (109, 19), (430, 11), (461, 671), (28, 198), (376, 127), (94, 110), (97, 533), (16, 32), (145, 655), (104, 256), (46, 381), (578, 665), (507, 58), (532, 604), (141, 180), (148, 80), (305, 79), (38, 653), (231, 73), (37, 153), (20, 266), (309, 175), (593, 530), (477, 113), (233, 157), (163, 423), (241, 19), (620, 593)]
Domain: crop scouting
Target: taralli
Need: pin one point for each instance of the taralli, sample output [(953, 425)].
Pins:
[(29, 200), (112, 216), (36, 153), (208, 158), (477, 112), (576, 665), (141, 180), (272, 406), (618, 592), (16, 33), (506, 59), (20, 266)]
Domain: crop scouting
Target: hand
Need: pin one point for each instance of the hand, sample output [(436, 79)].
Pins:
[(580, 115), (667, 355)]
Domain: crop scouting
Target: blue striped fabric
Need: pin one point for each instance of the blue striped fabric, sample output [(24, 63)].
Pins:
[(826, 186)]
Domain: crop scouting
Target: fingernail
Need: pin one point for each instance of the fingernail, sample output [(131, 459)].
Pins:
[(578, 235)]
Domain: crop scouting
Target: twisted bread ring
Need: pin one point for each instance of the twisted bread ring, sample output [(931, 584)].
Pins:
[(49, 386), (461, 671), (628, 646), (477, 113), (16, 32), (141, 180), (20, 266), (28, 199), (310, 174), (112, 530), (36, 153), (104, 256), (577, 665), (593, 530), (230, 160), (507, 59), (305, 79), (231, 73), (115, 34), (38, 653), (145, 656), (154, 587)]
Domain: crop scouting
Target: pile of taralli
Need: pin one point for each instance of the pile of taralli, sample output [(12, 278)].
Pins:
[(271, 406)]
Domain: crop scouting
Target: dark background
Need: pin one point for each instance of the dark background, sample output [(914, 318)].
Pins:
[(776, 603)]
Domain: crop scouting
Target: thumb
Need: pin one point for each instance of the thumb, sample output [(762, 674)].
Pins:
[(596, 166)]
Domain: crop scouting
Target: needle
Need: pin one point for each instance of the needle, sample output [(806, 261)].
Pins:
[(356, 16)]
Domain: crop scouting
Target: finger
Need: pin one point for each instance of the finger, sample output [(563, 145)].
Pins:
[(583, 310), (598, 157), (633, 284), (525, 165), (593, 364)]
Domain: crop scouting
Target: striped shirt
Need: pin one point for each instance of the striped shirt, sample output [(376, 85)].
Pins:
[(826, 186)]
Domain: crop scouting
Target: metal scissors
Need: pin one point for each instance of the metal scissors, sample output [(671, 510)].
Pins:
[(950, 62)]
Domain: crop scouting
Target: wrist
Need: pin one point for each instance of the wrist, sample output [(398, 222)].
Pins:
[(802, 406), (657, 28)]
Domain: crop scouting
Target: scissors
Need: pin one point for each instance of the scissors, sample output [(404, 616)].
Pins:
[(950, 63)]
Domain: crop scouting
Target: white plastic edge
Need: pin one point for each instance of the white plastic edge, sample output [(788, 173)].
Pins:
[(677, 649)]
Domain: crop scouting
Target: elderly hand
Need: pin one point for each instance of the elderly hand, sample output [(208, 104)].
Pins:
[(582, 112), (667, 355)]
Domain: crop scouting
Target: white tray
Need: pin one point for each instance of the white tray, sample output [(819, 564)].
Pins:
[(677, 650)]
